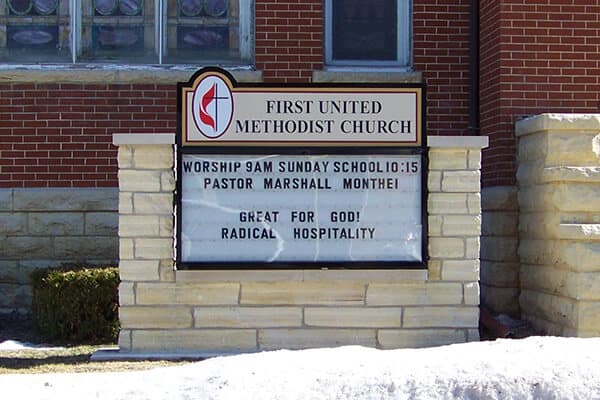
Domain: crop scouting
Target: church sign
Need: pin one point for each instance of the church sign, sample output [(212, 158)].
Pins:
[(299, 176)]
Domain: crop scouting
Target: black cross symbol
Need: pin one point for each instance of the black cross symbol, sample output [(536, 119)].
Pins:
[(217, 98)]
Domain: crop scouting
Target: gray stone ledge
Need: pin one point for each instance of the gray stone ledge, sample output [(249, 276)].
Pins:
[(120, 139), (111, 73), (558, 122), (65, 199), (458, 142), (351, 75)]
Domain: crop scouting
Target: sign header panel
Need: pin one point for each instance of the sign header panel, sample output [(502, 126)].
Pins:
[(218, 111)]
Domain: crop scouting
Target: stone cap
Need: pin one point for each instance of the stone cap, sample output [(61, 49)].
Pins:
[(120, 139), (111, 73), (479, 142), (558, 122)]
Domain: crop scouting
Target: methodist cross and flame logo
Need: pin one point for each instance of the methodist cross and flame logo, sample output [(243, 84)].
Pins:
[(212, 106)]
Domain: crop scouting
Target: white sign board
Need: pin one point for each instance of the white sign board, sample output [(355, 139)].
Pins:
[(301, 208)]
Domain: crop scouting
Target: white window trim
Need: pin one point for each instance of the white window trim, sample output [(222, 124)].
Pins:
[(403, 40)]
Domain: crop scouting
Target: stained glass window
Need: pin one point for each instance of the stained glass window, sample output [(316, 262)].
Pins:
[(35, 30), (126, 31)]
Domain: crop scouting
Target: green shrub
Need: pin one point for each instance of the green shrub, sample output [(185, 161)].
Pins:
[(76, 304)]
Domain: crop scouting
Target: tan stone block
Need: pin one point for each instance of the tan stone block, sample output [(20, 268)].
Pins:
[(500, 223), (55, 223), (125, 157), (125, 203), (213, 340), (556, 309), (166, 270), (461, 225), (474, 203), (153, 203), (191, 276), (441, 317), (155, 317), (500, 274), (460, 270), (139, 181), (247, 317), (138, 270), (501, 300), (124, 340), (472, 247), (573, 255), (353, 317), (471, 293), (577, 197), (13, 224), (134, 226), (443, 247), (434, 270), (564, 173), (545, 327), (187, 294), (496, 248), (166, 226), (270, 339), (500, 198), (461, 181), (167, 182), (419, 338), (447, 203), (576, 285), (434, 226), (101, 223), (474, 161), (154, 248), (126, 249), (580, 145), (153, 156), (126, 294), (429, 293), (434, 181), (582, 232), (371, 275), (448, 159), (561, 122), (322, 293)]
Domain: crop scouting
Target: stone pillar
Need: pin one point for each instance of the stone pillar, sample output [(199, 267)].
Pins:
[(146, 221), (499, 242), (205, 312), (559, 224), (454, 207)]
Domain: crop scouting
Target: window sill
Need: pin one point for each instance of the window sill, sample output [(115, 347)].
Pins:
[(111, 73), (370, 75)]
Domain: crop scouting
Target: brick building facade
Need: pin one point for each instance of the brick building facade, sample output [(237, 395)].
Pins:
[(486, 64)]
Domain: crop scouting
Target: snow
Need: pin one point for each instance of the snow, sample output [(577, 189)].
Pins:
[(14, 345), (533, 368)]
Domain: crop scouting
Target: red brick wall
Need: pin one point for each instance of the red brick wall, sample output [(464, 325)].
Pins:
[(536, 57), (289, 39), (60, 135), (441, 52)]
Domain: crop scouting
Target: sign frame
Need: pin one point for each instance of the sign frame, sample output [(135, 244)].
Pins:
[(222, 147)]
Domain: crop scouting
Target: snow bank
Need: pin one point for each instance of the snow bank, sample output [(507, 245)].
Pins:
[(534, 368)]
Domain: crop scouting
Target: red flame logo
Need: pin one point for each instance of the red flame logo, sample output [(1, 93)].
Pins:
[(208, 98)]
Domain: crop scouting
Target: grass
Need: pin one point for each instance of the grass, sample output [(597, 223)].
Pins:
[(68, 359)]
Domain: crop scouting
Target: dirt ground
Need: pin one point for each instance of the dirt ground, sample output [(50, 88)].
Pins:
[(54, 358)]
